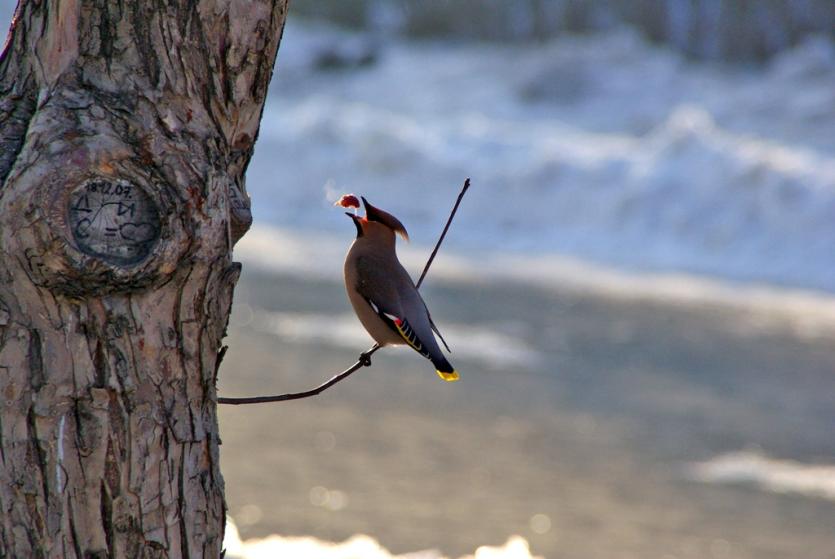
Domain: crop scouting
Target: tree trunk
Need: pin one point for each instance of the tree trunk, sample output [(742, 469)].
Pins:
[(125, 131)]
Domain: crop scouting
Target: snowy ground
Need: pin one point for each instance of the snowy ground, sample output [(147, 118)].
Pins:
[(610, 425), (599, 163), (747, 467), (357, 547)]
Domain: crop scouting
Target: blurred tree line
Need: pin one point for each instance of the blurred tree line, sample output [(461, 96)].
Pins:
[(732, 30)]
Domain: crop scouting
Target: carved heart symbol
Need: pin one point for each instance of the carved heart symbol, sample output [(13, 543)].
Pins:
[(138, 232)]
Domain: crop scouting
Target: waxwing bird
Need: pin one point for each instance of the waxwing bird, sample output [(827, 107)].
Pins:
[(382, 293)]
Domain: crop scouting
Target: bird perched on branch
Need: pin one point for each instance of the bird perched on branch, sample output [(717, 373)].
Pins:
[(382, 293)]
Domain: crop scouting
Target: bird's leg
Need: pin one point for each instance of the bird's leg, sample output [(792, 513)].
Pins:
[(365, 356)]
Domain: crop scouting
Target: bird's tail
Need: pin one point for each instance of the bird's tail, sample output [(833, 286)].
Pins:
[(445, 369)]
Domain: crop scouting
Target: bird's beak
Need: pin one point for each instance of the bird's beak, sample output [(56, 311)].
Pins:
[(357, 222)]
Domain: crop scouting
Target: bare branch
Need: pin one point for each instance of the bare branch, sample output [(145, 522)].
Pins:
[(364, 358), (443, 233), (363, 361)]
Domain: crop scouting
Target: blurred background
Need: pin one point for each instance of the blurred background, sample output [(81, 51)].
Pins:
[(639, 289)]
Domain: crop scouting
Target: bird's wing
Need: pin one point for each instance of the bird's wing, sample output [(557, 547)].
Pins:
[(374, 282), (380, 285), (401, 326)]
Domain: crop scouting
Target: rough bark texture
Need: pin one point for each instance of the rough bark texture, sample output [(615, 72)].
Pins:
[(125, 130)]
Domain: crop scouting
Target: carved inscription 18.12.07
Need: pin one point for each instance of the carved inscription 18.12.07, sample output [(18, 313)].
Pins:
[(113, 220)]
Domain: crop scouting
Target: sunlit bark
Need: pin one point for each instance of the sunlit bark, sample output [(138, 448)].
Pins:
[(125, 130)]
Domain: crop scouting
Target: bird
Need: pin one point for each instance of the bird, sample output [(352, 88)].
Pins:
[(381, 291)]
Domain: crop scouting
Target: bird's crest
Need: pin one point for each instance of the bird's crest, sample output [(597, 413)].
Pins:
[(380, 216)]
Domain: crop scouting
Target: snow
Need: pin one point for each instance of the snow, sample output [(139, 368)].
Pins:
[(356, 547), (308, 254), (770, 474), (602, 148)]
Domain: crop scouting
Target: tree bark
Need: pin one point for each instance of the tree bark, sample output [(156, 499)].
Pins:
[(125, 131)]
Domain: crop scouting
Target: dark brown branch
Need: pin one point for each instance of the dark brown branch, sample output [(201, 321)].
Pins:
[(365, 358), (363, 361)]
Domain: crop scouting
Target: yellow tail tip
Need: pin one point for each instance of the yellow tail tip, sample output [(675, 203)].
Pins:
[(449, 377)]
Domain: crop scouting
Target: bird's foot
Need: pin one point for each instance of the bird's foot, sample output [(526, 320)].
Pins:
[(365, 358)]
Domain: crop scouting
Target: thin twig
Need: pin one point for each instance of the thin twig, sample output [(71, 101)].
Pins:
[(365, 358), (443, 233)]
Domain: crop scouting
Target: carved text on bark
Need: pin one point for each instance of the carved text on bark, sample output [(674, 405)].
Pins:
[(113, 220)]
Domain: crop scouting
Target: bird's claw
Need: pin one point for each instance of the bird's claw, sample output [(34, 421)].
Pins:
[(365, 359)]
